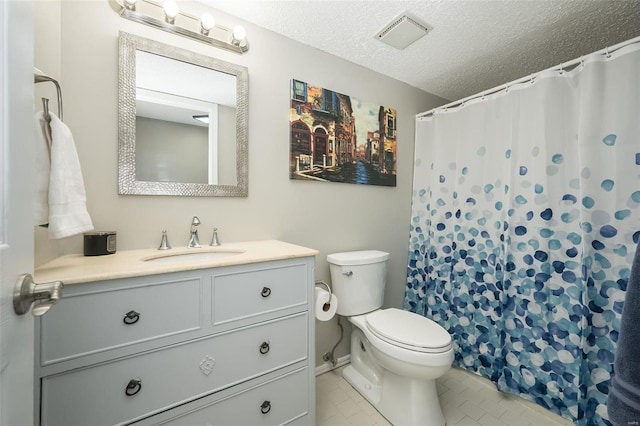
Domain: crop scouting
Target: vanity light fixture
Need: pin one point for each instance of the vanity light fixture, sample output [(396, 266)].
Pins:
[(202, 118), (206, 23), (202, 29), (130, 4), (171, 10), (239, 36)]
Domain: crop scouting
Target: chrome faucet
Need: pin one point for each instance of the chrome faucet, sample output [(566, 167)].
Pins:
[(194, 241)]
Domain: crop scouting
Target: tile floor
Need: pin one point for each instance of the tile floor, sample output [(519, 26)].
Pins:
[(466, 400)]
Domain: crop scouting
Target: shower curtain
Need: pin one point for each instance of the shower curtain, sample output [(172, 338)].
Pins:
[(525, 218)]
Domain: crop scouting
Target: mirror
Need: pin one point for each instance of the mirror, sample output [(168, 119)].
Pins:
[(182, 122)]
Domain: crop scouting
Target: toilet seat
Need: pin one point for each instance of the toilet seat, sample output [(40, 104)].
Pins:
[(408, 330)]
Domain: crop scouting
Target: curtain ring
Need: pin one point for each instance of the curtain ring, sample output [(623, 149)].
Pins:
[(561, 69), (606, 52), (582, 61)]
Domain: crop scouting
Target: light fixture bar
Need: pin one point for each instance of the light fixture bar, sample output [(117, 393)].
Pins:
[(204, 118), (237, 46)]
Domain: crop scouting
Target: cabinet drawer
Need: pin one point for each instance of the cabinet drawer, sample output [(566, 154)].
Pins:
[(248, 294), (171, 376), (276, 402), (97, 321)]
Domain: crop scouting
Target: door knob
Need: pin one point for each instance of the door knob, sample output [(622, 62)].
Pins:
[(26, 292)]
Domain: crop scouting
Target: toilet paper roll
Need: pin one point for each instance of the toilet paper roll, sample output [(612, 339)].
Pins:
[(326, 304)]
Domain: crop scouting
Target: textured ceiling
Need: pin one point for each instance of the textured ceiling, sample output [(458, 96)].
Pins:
[(474, 45)]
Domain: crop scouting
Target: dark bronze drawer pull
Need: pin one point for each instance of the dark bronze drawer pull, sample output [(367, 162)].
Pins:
[(266, 291), (264, 348), (133, 387), (265, 407), (131, 317)]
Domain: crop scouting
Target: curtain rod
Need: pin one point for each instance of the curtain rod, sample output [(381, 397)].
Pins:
[(566, 66)]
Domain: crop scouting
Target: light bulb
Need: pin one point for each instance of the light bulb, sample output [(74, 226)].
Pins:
[(207, 22), (238, 36), (170, 10), (239, 33), (130, 4)]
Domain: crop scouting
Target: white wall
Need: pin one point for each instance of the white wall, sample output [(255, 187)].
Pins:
[(181, 150), (329, 217)]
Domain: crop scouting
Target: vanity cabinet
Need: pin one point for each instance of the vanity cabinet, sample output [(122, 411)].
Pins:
[(230, 345)]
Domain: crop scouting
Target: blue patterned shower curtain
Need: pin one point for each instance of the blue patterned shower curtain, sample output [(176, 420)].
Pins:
[(526, 214)]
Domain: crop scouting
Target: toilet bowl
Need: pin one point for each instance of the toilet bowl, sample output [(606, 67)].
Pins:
[(398, 381), (422, 351), (395, 355)]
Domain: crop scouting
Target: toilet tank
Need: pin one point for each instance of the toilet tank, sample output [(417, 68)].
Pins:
[(357, 280)]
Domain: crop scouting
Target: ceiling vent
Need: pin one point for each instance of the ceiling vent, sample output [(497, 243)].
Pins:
[(402, 31)]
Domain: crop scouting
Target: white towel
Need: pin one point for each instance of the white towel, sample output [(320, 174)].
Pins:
[(68, 213), (42, 172)]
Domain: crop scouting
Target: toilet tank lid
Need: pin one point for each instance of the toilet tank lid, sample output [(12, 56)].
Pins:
[(363, 257)]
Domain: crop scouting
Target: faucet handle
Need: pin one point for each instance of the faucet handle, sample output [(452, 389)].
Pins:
[(195, 221), (214, 239), (164, 243)]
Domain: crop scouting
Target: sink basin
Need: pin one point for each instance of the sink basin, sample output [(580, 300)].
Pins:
[(192, 256)]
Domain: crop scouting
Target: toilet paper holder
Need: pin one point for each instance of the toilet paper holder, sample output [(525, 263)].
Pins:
[(320, 282)]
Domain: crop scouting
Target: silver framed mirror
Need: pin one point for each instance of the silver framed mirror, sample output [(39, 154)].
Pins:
[(182, 122)]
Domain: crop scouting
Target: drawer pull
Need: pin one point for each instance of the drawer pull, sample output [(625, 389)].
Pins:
[(133, 387), (266, 291), (131, 317), (264, 348), (265, 407)]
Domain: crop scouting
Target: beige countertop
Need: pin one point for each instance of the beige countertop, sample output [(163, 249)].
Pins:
[(76, 268)]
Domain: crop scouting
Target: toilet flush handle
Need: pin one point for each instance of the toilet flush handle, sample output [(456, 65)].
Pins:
[(348, 273)]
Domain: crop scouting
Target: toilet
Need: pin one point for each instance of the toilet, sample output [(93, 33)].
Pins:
[(396, 355)]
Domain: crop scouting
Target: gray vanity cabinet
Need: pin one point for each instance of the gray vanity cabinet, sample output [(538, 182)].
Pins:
[(221, 346)]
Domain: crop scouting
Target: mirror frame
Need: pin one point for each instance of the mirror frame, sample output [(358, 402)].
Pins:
[(127, 183)]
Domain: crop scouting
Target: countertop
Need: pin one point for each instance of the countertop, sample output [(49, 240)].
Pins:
[(77, 268)]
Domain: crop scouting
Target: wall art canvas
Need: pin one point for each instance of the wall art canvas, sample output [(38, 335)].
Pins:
[(337, 138)]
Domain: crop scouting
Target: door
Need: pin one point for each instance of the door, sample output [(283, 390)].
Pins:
[(319, 146), (16, 210)]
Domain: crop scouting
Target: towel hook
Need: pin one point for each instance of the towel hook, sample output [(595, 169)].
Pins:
[(40, 77), (45, 109), (46, 128)]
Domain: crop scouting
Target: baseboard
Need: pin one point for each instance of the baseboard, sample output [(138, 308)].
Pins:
[(326, 367)]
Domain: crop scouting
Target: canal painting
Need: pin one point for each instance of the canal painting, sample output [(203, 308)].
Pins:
[(337, 138)]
